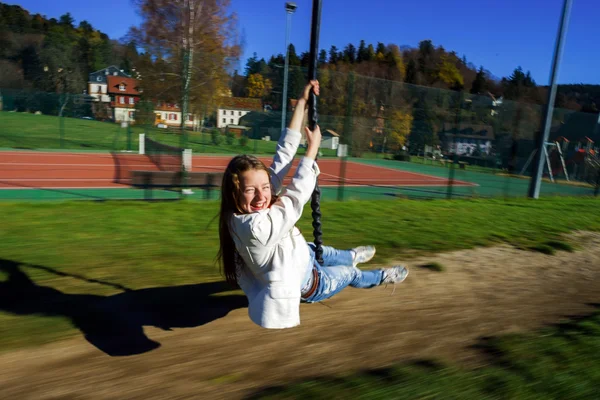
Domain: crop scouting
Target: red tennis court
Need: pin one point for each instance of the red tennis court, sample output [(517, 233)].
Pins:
[(29, 169)]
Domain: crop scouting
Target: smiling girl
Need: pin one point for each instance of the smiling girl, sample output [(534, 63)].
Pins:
[(263, 252)]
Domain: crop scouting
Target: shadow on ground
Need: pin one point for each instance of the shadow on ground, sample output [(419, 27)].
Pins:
[(115, 324)]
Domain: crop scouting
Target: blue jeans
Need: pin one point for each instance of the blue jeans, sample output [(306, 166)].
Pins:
[(337, 272)]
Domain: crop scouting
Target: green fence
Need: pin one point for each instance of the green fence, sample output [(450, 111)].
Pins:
[(485, 141)]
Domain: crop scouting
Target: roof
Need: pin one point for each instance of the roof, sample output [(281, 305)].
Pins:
[(163, 106), (240, 103), (104, 73), (130, 85), (469, 131)]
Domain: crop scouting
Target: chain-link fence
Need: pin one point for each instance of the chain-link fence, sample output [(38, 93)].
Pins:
[(380, 138)]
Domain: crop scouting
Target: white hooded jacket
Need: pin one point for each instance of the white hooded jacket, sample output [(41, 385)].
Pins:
[(275, 252)]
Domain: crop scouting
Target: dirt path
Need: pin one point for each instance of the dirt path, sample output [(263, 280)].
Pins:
[(433, 315)]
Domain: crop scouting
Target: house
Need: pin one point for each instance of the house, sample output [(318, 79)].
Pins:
[(169, 115), (238, 130), (98, 83), (116, 94), (330, 140), (124, 95), (468, 139), (231, 109)]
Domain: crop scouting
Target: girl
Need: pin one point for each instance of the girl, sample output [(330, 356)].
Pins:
[(261, 249)]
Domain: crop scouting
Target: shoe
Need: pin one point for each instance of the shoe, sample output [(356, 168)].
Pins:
[(362, 254), (394, 275)]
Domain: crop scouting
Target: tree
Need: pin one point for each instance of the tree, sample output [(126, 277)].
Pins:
[(333, 55), (399, 125), (66, 20), (520, 86), (450, 75), (258, 86), (322, 58), (422, 131), (293, 58), (362, 52), (411, 72), (191, 44), (350, 53), (480, 83)]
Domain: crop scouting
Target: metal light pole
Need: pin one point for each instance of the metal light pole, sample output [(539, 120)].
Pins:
[(538, 164), (289, 9)]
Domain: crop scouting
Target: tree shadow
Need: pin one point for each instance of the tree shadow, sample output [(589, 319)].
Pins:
[(115, 324)]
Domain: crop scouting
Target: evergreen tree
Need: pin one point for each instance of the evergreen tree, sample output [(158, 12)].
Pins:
[(411, 72), (350, 54), (362, 52), (480, 83), (333, 55), (293, 58), (322, 58), (422, 132)]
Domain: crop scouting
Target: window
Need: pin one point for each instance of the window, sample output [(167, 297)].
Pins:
[(232, 114), (131, 114), (131, 100), (121, 100), (231, 121), (240, 113), (173, 117), (190, 117), (224, 120), (122, 87)]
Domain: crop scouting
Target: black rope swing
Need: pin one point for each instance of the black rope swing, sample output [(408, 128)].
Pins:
[(313, 118)]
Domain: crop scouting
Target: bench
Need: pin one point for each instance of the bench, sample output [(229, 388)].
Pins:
[(149, 180)]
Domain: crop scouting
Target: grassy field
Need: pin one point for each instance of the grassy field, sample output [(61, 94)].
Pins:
[(40, 132), (77, 251), (98, 249)]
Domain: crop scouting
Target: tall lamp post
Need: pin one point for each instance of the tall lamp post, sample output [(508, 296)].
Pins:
[(289, 9)]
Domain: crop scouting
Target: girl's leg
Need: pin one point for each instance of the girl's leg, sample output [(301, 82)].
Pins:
[(333, 256), (333, 279)]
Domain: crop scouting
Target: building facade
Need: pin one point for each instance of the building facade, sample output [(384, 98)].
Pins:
[(232, 109), (116, 94)]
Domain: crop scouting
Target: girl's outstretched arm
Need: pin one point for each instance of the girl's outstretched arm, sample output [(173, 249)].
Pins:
[(290, 139), (298, 116)]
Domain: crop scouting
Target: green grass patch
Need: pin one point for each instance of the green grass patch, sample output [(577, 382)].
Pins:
[(551, 246), (560, 245), (30, 131), (543, 248), (433, 266), (556, 363), (100, 248)]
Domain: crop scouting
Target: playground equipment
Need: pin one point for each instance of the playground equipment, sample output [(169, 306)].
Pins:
[(557, 147)]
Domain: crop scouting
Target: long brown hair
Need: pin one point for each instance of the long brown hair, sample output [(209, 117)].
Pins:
[(231, 196)]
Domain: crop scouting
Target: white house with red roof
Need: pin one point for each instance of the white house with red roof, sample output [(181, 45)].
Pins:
[(124, 95)]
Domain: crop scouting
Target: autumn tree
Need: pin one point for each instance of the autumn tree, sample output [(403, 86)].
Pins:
[(191, 44), (258, 86), (398, 127)]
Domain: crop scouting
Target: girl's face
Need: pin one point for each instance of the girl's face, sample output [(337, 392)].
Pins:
[(256, 189)]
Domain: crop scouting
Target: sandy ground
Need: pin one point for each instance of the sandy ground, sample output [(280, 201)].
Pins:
[(432, 315)]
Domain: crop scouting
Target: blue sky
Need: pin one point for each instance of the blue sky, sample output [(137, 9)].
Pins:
[(498, 34)]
